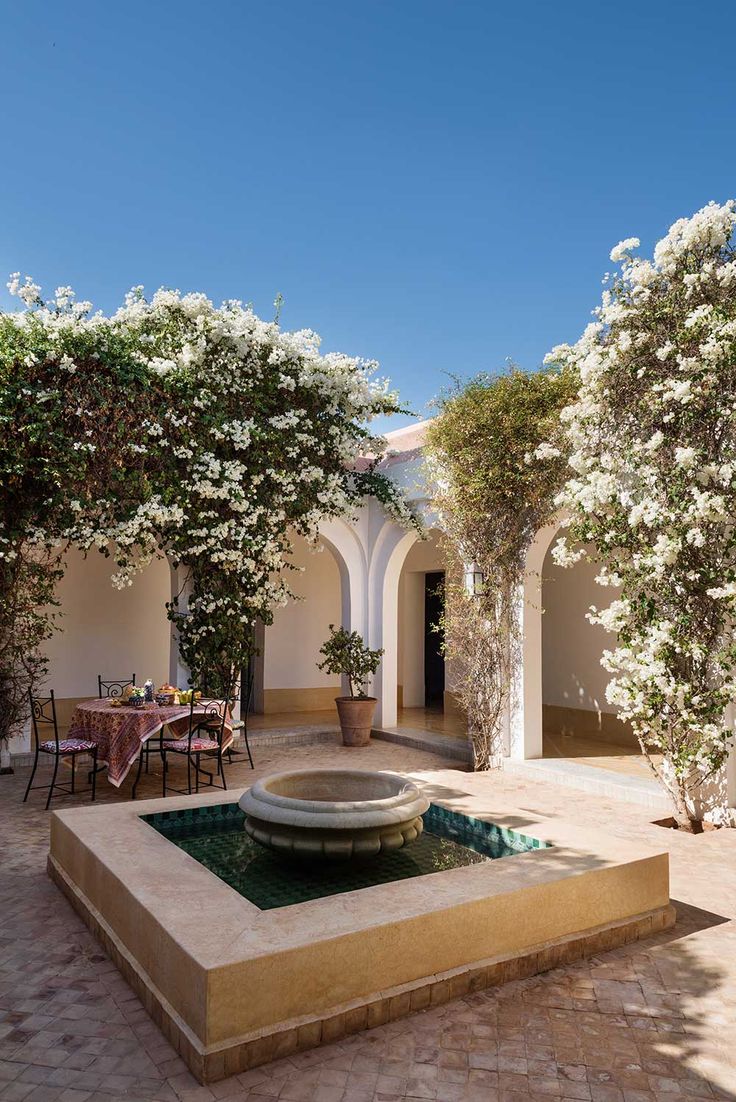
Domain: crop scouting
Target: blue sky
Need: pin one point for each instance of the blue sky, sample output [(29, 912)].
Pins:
[(436, 185)]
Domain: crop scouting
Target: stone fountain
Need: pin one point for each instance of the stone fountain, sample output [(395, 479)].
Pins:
[(333, 813)]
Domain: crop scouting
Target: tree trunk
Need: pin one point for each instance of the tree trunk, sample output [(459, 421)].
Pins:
[(479, 744), (686, 820), (677, 792)]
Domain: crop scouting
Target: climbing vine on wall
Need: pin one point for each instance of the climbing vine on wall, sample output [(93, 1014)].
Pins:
[(498, 457), (171, 427)]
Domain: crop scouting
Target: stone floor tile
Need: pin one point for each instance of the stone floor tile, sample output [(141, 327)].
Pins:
[(651, 1022), (16, 1091)]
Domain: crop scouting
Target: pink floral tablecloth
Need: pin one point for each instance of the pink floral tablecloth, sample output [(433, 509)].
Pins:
[(120, 732)]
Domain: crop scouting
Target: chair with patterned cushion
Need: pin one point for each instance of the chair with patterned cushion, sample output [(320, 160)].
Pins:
[(43, 720), (205, 736), (114, 687)]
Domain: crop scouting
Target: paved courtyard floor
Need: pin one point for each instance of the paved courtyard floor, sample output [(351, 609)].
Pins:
[(652, 1021)]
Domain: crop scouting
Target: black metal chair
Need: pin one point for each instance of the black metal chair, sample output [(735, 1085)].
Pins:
[(110, 690), (241, 727), (113, 688), (205, 737), (43, 713)]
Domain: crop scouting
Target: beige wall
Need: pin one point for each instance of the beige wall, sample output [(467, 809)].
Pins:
[(102, 630), (107, 631), (571, 646), (291, 649)]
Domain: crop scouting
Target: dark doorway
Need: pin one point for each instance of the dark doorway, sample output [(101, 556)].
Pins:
[(434, 661)]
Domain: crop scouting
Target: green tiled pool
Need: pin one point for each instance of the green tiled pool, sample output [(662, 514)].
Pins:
[(214, 835)]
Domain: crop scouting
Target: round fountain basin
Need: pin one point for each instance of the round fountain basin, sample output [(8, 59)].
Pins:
[(333, 814)]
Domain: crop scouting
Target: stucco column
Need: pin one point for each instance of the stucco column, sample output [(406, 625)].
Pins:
[(390, 549), (526, 689), (178, 672)]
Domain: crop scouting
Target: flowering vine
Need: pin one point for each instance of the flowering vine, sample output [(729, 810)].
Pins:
[(498, 459), (174, 427), (653, 489)]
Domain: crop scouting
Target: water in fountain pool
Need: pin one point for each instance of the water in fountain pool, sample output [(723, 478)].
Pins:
[(214, 835)]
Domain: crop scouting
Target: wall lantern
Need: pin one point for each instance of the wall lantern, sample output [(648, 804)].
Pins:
[(475, 580)]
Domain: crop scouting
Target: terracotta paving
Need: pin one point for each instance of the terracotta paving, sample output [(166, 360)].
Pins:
[(652, 1021)]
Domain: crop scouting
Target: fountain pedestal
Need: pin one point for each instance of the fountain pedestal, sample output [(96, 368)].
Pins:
[(333, 814)]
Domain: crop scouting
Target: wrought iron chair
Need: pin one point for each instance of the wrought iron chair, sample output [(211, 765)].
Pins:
[(241, 727), (43, 713), (110, 690), (113, 688), (205, 737)]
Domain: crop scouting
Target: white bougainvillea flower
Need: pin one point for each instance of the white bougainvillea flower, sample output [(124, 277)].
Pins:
[(652, 441)]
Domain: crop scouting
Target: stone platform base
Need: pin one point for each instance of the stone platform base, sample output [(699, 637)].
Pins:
[(238, 1054)]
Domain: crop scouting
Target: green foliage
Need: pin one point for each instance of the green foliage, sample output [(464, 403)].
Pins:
[(27, 609), (175, 428), (496, 446), (346, 654), (498, 459)]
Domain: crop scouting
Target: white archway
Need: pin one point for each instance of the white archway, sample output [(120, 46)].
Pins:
[(526, 689), (344, 544), (391, 547), (425, 558), (286, 677)]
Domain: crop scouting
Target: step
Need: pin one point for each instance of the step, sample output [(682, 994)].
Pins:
[(294, 736), (418, 739), (588, 778)]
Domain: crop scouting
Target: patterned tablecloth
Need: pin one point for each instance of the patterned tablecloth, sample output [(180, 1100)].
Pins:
[(120, 732)]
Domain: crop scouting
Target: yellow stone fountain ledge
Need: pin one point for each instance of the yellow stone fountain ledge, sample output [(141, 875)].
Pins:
[(232, 986)]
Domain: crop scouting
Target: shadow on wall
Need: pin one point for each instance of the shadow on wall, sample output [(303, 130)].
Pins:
[(571, 646)]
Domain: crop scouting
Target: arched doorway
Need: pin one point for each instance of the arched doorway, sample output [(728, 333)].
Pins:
[(424, 678)]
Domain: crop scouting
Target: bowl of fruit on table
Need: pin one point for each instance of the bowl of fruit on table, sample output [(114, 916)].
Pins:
[(165, 695), (133, 696)]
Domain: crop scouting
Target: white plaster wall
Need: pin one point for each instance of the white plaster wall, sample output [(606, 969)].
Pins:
[(108, 631), (105, 631), (292, 642), (572, 675)]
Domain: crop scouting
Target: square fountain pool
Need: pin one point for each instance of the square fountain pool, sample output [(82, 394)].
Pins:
[(241, 961), (215, 836)]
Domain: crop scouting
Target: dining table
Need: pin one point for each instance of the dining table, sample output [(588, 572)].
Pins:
[(122, 730)]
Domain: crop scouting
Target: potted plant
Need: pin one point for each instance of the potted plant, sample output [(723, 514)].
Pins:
[(346, 653)]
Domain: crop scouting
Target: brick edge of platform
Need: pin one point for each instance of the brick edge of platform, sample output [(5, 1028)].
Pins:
[(286, 1038)]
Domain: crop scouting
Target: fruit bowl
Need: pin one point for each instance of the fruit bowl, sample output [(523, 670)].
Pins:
[(185, 697)]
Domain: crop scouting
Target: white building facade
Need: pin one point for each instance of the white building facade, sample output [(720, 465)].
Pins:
[(377, 578)]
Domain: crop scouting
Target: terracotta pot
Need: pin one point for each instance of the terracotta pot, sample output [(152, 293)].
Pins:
[(356, 718)]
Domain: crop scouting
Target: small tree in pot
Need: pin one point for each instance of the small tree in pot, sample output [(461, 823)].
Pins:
[(346, 653)]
